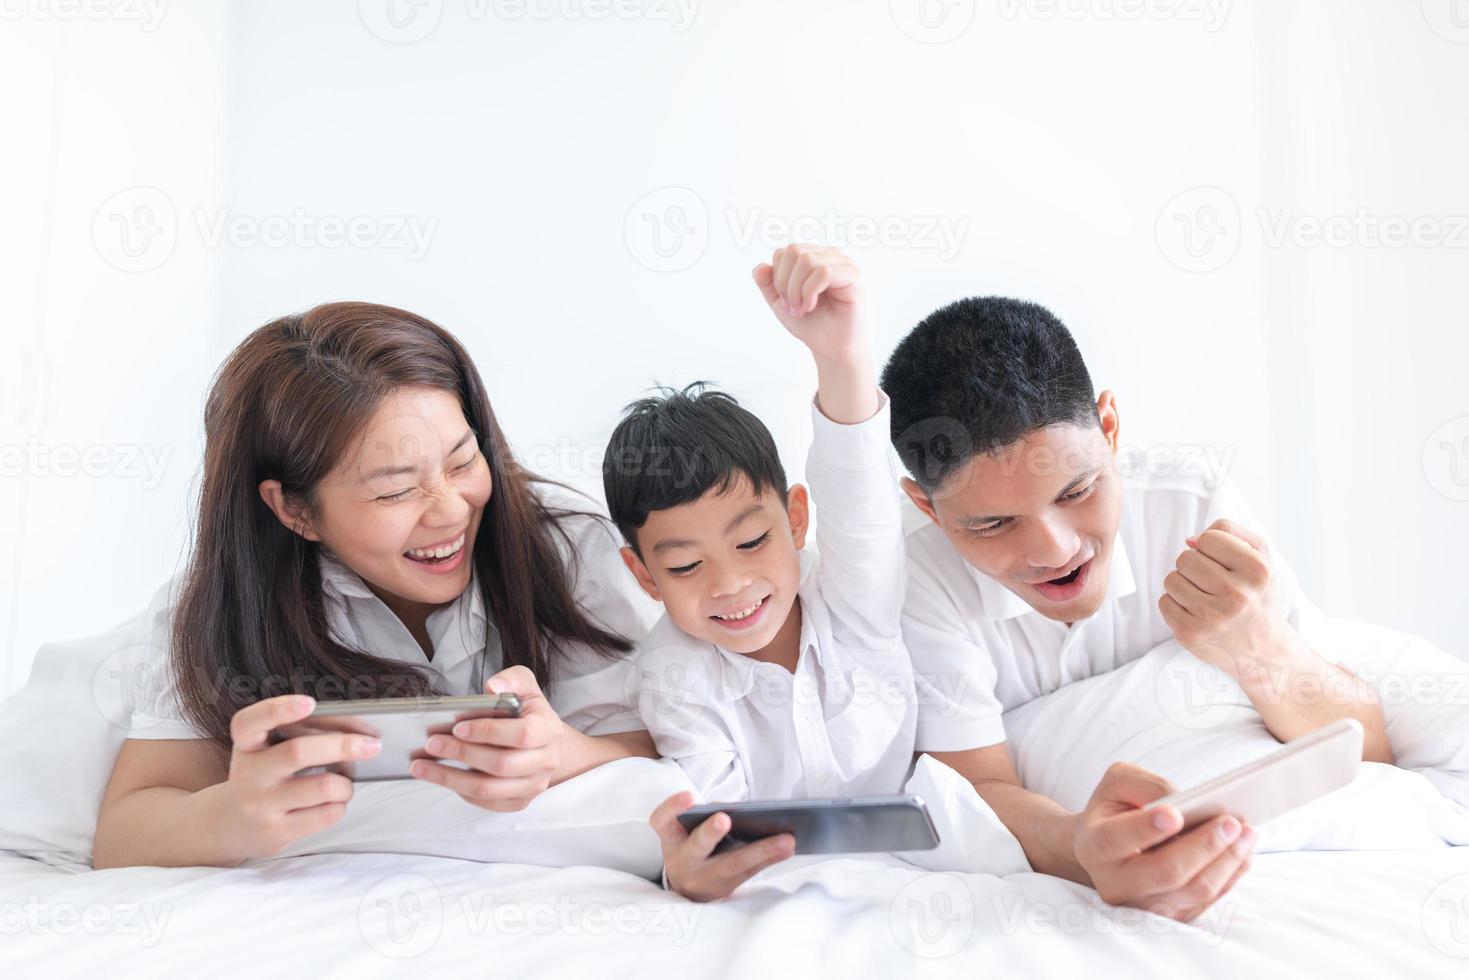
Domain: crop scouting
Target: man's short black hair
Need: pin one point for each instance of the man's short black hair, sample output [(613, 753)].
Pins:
[(978, 375), (676, 446)]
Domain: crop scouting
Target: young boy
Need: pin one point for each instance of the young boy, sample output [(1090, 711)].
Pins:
[(1038, 565), (775, 672)]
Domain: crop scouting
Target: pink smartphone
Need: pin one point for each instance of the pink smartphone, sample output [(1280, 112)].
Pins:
[(1303, 769)]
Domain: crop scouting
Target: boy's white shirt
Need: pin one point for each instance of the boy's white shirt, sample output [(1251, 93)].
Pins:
[(843, 723), (979, 649)]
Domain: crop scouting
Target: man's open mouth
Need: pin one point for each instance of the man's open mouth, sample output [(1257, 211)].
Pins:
[(1066, 587), (1068, 578)]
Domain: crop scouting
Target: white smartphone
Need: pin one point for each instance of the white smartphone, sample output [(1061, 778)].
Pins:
[(1303, 769), (403, 725)]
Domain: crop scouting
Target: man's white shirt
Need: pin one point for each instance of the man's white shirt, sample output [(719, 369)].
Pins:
[(842, 724), (979, 649)]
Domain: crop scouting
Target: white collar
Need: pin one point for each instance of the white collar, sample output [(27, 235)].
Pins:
[(341, 582)]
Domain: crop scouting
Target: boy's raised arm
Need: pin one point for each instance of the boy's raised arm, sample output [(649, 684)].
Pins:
[(816, 294)]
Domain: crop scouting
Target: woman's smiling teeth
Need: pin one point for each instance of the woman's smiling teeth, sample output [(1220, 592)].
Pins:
[(446, 550)]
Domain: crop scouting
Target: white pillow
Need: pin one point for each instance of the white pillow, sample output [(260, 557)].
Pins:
[(1187, 721), (1425, 698), (61, 733), (59, 737), (1166, 711), (971, 836)]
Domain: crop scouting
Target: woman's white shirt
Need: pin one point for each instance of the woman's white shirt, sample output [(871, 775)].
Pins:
[(593, 692)]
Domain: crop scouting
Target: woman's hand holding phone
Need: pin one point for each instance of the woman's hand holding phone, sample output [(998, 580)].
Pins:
[(266, 805), (511, 760)]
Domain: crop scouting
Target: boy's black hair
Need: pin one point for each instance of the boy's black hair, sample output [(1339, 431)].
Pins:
[(675, 446), (978, 375)]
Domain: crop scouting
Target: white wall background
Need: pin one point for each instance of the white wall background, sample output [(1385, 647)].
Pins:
[(504, 166)]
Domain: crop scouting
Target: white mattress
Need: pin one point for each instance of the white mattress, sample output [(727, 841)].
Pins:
[(1315, 913)]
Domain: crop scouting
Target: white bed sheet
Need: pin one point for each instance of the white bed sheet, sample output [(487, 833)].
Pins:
[(1318, 913)]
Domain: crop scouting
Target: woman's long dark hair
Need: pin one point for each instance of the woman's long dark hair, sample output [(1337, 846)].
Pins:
[(287, 405)]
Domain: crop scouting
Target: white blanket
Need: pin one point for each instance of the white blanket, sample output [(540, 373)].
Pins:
[(415, 875), (1368, 914)]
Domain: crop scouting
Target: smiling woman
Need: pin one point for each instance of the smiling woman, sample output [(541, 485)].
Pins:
[(364, 531), (404, 506)]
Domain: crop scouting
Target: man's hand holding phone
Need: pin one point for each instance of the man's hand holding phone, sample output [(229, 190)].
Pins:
[(1136, 856)]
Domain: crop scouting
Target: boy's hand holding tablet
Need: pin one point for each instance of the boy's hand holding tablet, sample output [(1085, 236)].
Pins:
[(689, 862)]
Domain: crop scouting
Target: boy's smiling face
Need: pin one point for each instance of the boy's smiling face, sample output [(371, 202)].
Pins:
[(1041, 515), (725, 566)]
